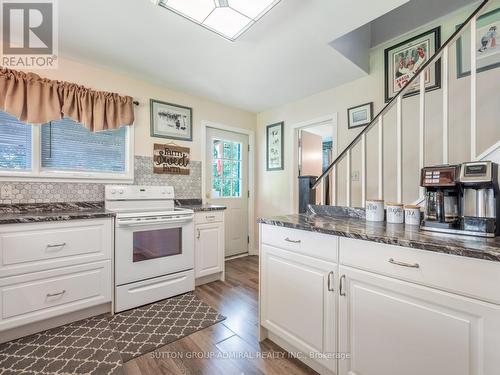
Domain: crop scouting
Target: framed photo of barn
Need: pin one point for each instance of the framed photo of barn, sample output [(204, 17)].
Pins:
[(404, 60), (171, 159), (171, 121)]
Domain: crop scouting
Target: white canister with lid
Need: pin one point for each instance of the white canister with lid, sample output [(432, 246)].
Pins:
[(412, 215), (395, 213), (374, 210)]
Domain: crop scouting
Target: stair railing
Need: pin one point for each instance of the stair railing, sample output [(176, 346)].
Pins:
[(443, 54)]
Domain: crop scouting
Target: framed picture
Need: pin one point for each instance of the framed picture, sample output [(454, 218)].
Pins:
[(171, 121), (274, 147), (487, 45), (403, 60), (360, 116)]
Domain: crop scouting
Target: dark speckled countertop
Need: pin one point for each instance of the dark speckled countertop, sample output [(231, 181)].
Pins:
[(351, 224), (44, 212), (197, 206)]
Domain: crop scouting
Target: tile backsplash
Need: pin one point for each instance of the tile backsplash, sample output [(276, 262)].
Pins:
[(186, 187)]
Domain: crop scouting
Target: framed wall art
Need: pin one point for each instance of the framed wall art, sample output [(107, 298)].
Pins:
[(403, 60), (360, 115), (487, 45), (171, 121), (274, 147)]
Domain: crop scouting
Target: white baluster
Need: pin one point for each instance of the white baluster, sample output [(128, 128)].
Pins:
[(444, 70), (348, 180), (421, 128), (363, 170), (399, 157), (380, 158), (473, 92), (334, 185)]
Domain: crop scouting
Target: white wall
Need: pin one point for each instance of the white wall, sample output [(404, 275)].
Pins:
[(106, 80), (275, 189)]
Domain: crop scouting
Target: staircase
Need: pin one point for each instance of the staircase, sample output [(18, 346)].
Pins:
[(442, 56)]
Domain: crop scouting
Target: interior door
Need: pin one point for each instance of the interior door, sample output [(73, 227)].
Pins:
[(311, 156), (227, 184)]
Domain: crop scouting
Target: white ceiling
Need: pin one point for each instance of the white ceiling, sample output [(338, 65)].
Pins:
[(284, 57)]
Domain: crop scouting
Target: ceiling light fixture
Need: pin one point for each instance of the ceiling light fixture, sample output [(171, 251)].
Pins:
[(228, 18)]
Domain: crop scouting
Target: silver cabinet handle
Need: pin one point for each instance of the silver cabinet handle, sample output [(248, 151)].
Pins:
[(198, 234), (52, 246), (330, 281), (292, 241), (341, 286), (210, 217), (403, 264), (55, 294)]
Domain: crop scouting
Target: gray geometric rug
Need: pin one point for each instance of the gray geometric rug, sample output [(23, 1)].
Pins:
[(100, 345), (147, 328), (84, 347)]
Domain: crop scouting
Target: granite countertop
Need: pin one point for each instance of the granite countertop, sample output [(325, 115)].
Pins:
[(197, 206), (351, 224), (44, 212)]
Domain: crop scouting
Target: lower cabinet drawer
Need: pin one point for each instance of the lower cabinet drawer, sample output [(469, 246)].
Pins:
[(32, 297)]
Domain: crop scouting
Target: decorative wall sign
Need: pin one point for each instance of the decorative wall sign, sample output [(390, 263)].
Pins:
[(487, 45), (360, 116), (171, 159), (275, 147), (403, 61), (171, 121)]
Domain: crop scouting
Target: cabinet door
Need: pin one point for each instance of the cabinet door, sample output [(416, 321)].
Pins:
[(209, 249), (297, 303), (392, 327)]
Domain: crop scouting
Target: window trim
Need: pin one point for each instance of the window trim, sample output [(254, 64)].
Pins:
[(38, 174)]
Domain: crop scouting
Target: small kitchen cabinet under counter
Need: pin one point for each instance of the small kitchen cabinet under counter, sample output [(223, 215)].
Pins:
[(209, 246)]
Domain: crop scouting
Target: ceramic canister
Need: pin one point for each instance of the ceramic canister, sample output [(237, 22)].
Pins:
[(412, 215), (395, 214), (374, 210)]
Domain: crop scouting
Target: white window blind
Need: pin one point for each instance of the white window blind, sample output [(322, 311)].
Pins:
[(68, 146), (15, 143)]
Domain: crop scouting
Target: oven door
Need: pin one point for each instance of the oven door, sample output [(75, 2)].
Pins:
[(151, 247)]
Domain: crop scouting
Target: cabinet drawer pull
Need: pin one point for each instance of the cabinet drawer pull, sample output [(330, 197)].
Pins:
[(341, 286), (210, 217), (198, 234), (292, 241), (330, 281), (55, 294), (403, 264), (56, 245)]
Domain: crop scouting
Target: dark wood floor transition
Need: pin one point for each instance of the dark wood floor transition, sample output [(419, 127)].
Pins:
[(227, 348)]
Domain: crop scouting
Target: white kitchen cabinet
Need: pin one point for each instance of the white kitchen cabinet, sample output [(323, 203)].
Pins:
[(209, 247), (393, 327), (298, 302)]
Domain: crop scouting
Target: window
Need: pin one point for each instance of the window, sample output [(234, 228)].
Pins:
[(226, 169), (64, 149), (15, 143)]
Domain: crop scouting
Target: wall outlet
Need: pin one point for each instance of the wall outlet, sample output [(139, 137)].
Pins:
[(6, 192), (355, 176)]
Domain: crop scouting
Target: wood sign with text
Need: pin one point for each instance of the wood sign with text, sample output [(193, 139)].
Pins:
[(171, 159)]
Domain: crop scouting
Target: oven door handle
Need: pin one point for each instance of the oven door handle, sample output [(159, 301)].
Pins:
[(135, 223)]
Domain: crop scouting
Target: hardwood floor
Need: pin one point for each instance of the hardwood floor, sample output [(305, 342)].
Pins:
[(229, 347)]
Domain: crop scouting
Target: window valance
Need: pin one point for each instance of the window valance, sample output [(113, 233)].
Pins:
[(36, 100)]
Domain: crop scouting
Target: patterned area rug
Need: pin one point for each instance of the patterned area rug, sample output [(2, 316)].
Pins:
[(84, 347), (100, 345), (147, 328)]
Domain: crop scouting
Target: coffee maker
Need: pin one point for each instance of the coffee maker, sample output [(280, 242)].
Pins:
[(480, 198), (442, 198), (462, 199)]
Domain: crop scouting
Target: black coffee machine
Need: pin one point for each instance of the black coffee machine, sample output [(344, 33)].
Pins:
[(462, 199)]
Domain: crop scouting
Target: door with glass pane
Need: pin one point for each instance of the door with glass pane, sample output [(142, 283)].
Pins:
[(227, 184)]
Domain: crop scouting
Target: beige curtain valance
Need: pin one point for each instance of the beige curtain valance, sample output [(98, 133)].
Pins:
[(37, 100)]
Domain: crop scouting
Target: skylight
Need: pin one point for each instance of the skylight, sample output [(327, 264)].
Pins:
[(228, 18)]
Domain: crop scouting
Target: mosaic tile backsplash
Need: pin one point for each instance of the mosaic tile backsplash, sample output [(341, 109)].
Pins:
[(186, 187)]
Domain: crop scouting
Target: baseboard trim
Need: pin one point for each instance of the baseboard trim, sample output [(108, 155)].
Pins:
[(237, 256), (57, 321)]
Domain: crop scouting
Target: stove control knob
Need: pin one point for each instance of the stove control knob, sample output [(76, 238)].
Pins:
[(120, 191), (113, 192)]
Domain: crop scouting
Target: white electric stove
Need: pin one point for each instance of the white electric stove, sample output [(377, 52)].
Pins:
[(154, 245)]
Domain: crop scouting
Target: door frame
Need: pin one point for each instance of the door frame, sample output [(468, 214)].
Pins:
[(333, 118), (251, 172)]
